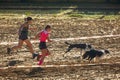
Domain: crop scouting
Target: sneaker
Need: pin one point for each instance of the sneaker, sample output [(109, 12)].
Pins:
[(8, 50), (34, 56)]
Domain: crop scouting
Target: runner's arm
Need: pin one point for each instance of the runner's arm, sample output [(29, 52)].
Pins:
[(37, 35), (49, 40)]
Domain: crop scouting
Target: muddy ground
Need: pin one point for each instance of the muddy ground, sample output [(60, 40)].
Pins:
[(62, 28)]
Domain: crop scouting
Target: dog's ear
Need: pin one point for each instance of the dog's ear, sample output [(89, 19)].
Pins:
[(67, 43), (107, 52), (89, 46)]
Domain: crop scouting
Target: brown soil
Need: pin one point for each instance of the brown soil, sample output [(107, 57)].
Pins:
[(63, 28)]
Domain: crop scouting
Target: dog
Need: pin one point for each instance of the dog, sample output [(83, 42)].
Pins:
[(94, 54), (80, 46)]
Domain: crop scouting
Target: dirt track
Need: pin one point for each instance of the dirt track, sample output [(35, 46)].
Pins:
[(63, 28)]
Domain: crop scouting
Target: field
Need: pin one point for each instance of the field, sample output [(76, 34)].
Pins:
[(65, 24)]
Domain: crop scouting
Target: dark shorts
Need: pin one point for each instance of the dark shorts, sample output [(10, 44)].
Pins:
[(23, 37), (42, 45)]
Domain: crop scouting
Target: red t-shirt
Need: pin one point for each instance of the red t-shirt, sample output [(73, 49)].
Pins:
[(43, 36)]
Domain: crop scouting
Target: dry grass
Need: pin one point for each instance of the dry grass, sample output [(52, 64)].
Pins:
[(62, 27)]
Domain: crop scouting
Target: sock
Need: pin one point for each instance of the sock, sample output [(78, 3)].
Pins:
[(40, 62), (40, 55), (47, 54), (38, 58)]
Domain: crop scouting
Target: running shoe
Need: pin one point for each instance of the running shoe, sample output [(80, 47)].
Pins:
[(38, 57), (34, 56)]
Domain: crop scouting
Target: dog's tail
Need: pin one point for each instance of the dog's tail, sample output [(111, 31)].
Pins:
[(67, 43)]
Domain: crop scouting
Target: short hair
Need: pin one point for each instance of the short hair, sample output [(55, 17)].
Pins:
[(47, 27), (29, 18)]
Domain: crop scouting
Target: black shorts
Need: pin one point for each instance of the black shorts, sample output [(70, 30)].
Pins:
[(42, 45), (23, 37)]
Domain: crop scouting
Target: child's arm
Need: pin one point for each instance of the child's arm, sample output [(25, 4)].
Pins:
[(32, 29), (49, 40), (37, 36)]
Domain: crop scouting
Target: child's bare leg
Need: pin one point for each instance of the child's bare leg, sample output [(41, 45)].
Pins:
[(46, 54), (44, 51), (29, 46), (20, 43)]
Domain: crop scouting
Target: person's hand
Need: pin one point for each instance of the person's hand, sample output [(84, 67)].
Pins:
[(48, 40), (52, 41), (33, 38)]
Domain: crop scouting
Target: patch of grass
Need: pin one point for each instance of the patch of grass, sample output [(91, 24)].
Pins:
[(70, 13), (29, 11), (76, 15), (94, 15)]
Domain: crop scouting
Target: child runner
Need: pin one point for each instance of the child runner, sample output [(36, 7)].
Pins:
[(43, 36), (23, 37)]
